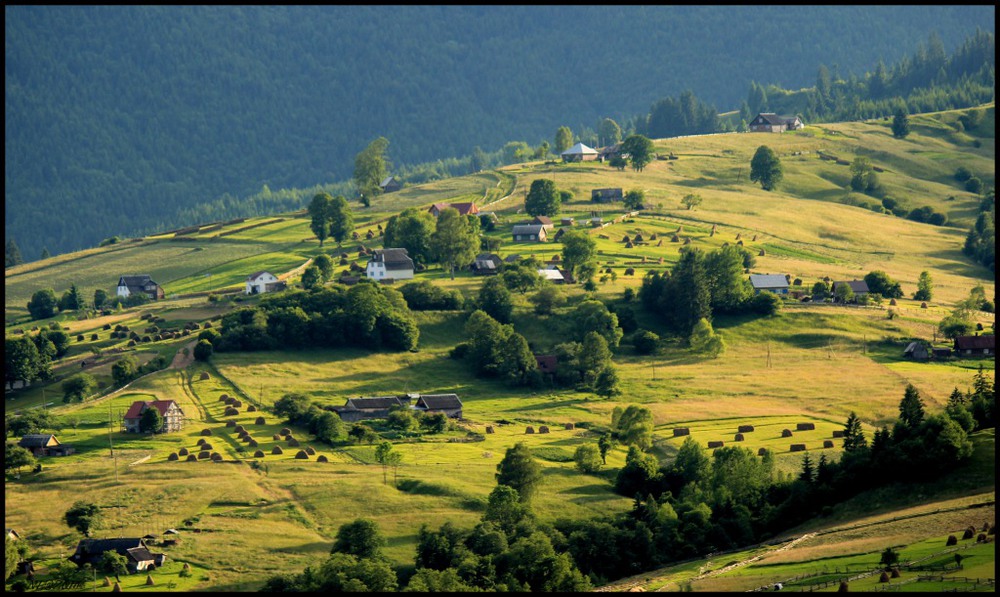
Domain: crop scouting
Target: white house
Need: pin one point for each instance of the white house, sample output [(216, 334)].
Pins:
[(261, 282), (390, 264)]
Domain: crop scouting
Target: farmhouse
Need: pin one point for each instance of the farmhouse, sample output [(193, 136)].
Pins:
[(487, 264), (984, 345), (776, 283), (361, 409), (552, 275), (859, 287), (579, 153), (606, 195), (463, 209), (390, 184), (129, 285), (917, 351), (529, 232), (261, 282), (567, 222), (449, 404), (609, 152), (173, 416), (90, 551), (769, 122), (43, 444), (390, 264), (543, 221)]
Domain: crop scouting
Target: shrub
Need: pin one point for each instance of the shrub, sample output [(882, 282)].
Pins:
[(645, 342)]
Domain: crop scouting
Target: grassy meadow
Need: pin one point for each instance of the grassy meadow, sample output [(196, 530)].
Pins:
[(245, 518)]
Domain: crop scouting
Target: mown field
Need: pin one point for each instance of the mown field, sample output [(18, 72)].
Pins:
[(246, 518)]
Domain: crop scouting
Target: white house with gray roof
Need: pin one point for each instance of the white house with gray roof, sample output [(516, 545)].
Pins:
[(390, 264), (776, 283)]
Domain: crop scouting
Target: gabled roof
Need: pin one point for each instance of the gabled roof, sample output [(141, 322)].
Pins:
[(90, 549), (387, 180), (768, 281), (527, 229), (140, 554), (465, 208), (135, 411), (544, 220), (512, 258), (772, 118), (438, 401), (394, 259), (139, 281), (976, 342), (580, 149), (256, 275), (440, 206), (856, 286), (38, 440), (551, 274)]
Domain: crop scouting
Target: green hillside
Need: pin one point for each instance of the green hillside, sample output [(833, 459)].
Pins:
[(247, 519)]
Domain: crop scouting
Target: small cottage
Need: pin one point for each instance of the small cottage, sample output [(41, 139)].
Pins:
[(390, 185), (984, 345), (377, 407), (567, 222), (769, 122), (917, 351), (487, 264), (173, 416), (449, 404), (463, 209), (390, 264), (579, 153), (45, 444), (544, 222), (262, 281), (552, 275), (143, 284), (776, 283), (529, 232), (859, 287), (136, 552)]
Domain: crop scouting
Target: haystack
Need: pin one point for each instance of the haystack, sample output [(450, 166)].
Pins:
[(204, 455), (293, 442), (894, 573), (230, 412), (828, 443), (884, 577), (260, 421), (659, 243), (252, 443), (231, 423), (529, 429), (206, 446), (206, 431), (786, 433), (310, 450), (892, 302), (489, 429), (237, 403), (107, 581), (952, 540), (182, 452), (761, 451), (923, 305), (738, 437), (543, 429), (629, 245), (797, 448), (843, 587), (762, 253), (117, 588), (200, 441), (216, 457), (285, 431), (745, 428), (301, 455), (718, 444), (322, 458), (838, 433), (679, 431), (240, 429), (224, 397), (173, 456), (251, 409), (276, 437), (969, 533), (258, 454), (805, 426), (569, 426), (204, 375), (626, 239), (277, 450)]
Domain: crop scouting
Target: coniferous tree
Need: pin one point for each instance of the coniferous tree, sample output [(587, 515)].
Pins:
[(854, 436), (687, 297), (12, 255), (900, 124)]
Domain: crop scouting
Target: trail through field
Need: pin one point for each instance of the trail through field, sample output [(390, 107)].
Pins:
[(182, 360), (747, 561)]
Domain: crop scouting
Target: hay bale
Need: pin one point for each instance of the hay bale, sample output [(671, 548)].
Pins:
[(761, 254), (258, 454), (292, 442), (745, 428), (322, 458), (489, 429), (894, 573), (301, 455), (191, 458), (231, 423), (201, 440), (981, 538), (786, 433), (681, 431), (570, 426), (884, 577), (797, 448), (260, 421), (224, 397), (117, 588), (251, 409), (107, 581), (923, 305), (182, 452), (240, 429), (277, 450), (717, 444), (828, 443), (805, 426), (204, 375), (675, 239), (838, 433), (253, 443), (173, 456), (543, 429), (204, 455), (276, 437), (761, 451), (738, 437), (206, 446), (231, 412), (216, 457), (237, 403), (969, 533), (952, 540), (285, 431), (310, 450), (206, 431), (529, 429), (892, 302)]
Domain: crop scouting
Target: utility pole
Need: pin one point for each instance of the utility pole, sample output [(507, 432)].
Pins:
[(768, 355)]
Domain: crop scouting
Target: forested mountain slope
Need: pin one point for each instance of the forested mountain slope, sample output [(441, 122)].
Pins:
[(117, 119)]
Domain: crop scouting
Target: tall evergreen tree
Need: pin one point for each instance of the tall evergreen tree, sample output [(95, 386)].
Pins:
[(854, 436), (687, 295), (911, 408), (900, 124), (807, 473), (12, 255), (564, 139)]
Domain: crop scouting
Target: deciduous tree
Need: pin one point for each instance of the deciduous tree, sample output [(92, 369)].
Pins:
[(765, 168), (43, 304), (542, 198), (83, 516), (454, 241), (564, 139), (519, 471), (640, 151), (371, 166), (579, 249)]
